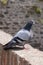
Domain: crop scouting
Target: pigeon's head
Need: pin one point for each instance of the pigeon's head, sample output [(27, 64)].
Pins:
[(29, 25)]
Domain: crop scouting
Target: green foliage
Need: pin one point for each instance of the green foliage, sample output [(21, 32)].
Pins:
[(32, 10), (4, 2), (36, 9)]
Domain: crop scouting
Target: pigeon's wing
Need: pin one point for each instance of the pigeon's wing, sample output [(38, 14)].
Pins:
[(23, 34)]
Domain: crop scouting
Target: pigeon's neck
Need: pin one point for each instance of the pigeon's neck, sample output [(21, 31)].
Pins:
[(28, 27)]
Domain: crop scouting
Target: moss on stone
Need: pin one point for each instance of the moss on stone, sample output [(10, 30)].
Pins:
[(37, 9)]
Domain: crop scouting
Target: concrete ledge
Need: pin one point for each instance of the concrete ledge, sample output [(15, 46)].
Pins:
[(28, 56)]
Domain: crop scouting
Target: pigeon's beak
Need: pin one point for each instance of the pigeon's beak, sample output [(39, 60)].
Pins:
[(33, 22)]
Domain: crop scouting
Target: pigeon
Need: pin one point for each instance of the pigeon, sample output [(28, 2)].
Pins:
[(25, 34)]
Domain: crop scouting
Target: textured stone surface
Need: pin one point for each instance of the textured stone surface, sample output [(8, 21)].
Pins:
[(14, 15)]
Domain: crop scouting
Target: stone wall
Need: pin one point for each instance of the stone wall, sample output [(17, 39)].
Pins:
[(10, 58)]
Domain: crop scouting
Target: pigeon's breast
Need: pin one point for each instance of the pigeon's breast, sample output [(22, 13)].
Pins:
[(23, 34)]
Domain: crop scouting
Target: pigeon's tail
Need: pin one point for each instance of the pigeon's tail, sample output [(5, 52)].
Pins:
[(13, 43), (9, 44)]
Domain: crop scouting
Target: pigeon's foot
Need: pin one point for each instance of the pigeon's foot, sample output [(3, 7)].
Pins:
[(19, 46), (14, 47)]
